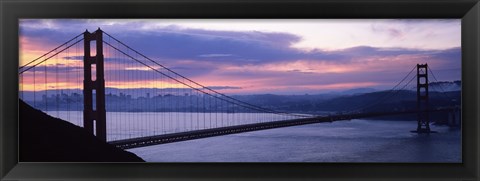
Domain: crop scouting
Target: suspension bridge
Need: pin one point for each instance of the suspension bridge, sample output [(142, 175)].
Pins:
[(79, 81)]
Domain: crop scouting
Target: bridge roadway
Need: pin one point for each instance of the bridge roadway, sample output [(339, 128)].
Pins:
[(190, 135)]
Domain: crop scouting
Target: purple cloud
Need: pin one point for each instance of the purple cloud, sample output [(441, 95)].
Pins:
[(198, 52)]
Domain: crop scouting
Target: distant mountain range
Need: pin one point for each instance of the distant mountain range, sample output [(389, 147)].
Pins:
[(150, 92), (353, 91), (446, 86), (139, 100)]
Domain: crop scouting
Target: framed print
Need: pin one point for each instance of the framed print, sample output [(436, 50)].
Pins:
[(240, 90), (388, 83)]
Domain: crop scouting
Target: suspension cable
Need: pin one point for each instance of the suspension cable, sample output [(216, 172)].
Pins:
[(21, 67), (197, 89), (369, 104), (203, 87), (440, 85), (50, 56)]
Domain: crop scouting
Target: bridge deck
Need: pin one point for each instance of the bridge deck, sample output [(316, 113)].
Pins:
[(190, 135), (183, 136)]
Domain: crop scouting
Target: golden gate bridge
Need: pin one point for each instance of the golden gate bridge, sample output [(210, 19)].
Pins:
[(167, 106)]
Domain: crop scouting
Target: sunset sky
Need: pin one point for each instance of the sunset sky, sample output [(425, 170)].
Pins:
[(261, 56)]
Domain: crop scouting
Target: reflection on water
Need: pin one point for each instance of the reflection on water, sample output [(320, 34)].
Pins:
[(342, 141), (125, 125)]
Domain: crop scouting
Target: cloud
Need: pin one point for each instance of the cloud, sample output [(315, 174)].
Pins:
[(52, 69), (173, 42), (233, 50), (223, 87), (234, 47), (215, 55), (241, 60), (385, 66), (215, 47), (391, 31)]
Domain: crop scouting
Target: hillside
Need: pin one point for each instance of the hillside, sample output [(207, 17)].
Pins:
[(161, 100), (43, 138), (381, 101)]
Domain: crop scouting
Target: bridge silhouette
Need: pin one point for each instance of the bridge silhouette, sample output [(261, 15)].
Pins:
[(77, 83)]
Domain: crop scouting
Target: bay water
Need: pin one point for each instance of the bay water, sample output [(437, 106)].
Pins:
[(357, 140)]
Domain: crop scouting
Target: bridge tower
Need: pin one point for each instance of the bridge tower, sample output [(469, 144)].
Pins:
[(94, 114), (423, 117)]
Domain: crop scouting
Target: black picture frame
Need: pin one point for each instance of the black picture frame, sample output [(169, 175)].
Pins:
[(467, 10)]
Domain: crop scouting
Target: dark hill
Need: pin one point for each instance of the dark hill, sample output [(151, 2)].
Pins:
[(384, 101), (44, 138)]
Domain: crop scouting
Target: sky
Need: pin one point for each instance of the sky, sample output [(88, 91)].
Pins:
[(250, 56)]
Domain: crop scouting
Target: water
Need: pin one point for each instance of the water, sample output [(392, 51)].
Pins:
[(341, 141), (125, 125)]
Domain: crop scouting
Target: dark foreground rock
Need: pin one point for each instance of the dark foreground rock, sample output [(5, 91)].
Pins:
[(44, 138)]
